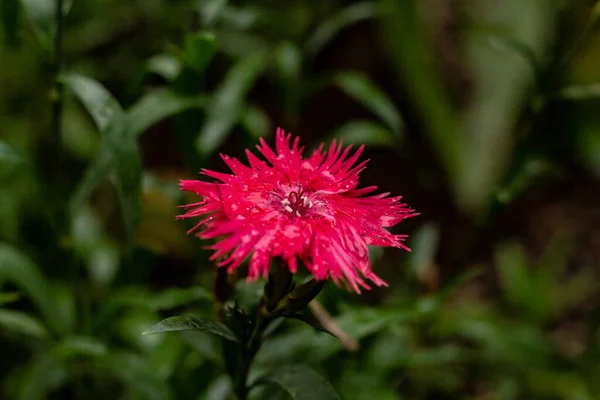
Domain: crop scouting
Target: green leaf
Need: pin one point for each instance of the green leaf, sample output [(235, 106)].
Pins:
[(137, 376), (80, 346), (508, 43), (299, 297), (8, 154), (183, 323), (579, 92), (165, 65), (104, 109), (40, 377), (256, 122), (19, 322), (157, 106), (109, 119), (219, 389), (128, 168), (514, 274), (18, 269), (119, 151), (211, 10), (424, 248), (166, 356), (199, 50), (11, 20), (302, 383), (99, 168), (411, 51), (338, 22), (288, 61), (365, 132), (7, 298), (229, 101), (363, 90), (357, 323)]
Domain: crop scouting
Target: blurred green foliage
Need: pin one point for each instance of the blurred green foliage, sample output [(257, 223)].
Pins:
[(483, 114)]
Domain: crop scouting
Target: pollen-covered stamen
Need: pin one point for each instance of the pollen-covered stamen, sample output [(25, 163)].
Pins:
[(296, 203)]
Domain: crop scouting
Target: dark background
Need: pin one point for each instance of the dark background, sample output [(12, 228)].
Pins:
[(483, 114)]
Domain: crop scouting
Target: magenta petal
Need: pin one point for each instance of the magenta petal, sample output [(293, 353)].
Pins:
[(293, 208)]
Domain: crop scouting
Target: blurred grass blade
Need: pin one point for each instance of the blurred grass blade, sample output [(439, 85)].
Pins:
[(7, 298), (500, 68), (41, 376), (288, 61), (11, 21), (165, 65), (365, 132), (119, 151), (338, 22), (17, 268), (157, 106), (74, 346), (41, 13), (8, 154), (363, 90), (140, 381), (411, 51), (211, 11), (579, 92), (104, 109), (508, 43), (21, 323), (128, 168), (302, 383), (199, 49), (514, 274), (95, 173), (218, 389), (425, 243), (228, 102), (183, 323), (166, 358), (256, 122)]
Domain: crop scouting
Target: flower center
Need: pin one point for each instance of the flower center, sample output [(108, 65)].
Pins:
[(296, 203)]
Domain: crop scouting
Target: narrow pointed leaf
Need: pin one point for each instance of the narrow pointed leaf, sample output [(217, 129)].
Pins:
[(119, 151), (21, 323), (363, 90), (338, 22), (184, 323), (17, 268), (229, 102), (199, 50), (369, 133), (104, 109), (157, 106)]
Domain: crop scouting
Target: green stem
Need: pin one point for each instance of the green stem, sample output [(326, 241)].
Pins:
[(249, 351)]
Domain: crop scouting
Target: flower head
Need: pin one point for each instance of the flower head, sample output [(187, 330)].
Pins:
[(296, 208)]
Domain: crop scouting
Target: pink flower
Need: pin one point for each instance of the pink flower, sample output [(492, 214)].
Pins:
[(296, 208)]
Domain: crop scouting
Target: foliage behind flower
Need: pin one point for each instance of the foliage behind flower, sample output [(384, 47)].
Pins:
[(292, 207)]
